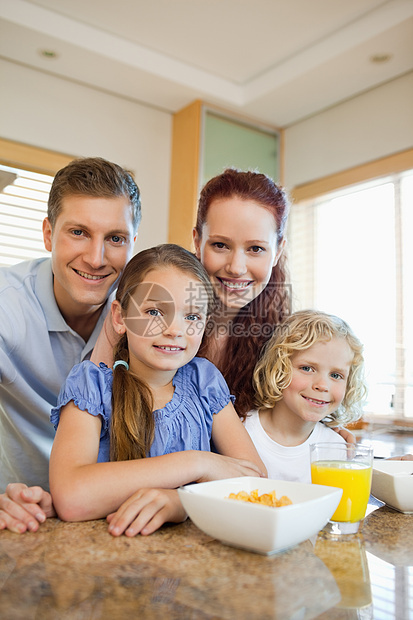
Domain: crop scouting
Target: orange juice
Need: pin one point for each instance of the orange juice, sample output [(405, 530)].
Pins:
[(355, 480)]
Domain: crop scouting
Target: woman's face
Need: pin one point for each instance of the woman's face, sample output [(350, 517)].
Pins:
[(238, 248)]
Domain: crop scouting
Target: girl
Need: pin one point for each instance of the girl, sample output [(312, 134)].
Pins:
[(310, 371), (157, 402)]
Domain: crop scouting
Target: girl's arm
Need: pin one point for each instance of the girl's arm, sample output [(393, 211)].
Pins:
[(83, 489), (232, 439), (147, 509)]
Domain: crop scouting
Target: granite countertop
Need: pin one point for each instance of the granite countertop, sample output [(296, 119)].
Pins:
[(78, 571)]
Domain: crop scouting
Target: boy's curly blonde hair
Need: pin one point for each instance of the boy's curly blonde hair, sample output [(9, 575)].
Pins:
[(273, 372)]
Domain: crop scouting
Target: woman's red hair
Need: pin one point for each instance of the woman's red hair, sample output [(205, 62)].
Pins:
[(255, 322)]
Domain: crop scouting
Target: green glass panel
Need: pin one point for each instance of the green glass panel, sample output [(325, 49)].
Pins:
[(229, 143)]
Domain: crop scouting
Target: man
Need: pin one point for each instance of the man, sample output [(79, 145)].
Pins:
[(51, 312)]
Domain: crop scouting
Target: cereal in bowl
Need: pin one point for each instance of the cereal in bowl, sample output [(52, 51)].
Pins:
[(266, 499)]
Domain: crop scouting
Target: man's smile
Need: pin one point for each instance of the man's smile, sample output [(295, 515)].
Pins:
[(88, 276)]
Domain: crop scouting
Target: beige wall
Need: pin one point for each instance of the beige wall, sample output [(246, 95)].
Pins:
[(368, 127), (51, 113), (46, 111)]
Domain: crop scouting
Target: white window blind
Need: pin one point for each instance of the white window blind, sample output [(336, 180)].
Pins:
[(351, 254), (23, 206)]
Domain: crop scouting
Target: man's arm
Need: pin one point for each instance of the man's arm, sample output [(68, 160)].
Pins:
[(24, 508), (103, 349)]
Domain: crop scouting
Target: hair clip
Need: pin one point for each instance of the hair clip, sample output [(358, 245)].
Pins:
[(121, 363)]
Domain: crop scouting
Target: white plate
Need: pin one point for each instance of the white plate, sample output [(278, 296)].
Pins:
[(254, 527)]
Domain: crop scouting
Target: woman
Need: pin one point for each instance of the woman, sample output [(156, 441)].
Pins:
[(239, 238)]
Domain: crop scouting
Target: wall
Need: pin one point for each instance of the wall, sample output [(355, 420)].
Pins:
[(46, 111), (368, 127)]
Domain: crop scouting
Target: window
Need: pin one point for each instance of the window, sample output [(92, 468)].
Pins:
[(23, 206), (351, 254), (26, 173)]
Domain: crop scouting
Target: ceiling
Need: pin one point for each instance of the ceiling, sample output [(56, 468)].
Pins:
[(276, 61)]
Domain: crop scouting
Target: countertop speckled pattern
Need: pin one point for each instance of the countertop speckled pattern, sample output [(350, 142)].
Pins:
[(77, 571)]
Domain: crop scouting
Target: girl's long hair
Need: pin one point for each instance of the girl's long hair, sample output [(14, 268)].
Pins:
[(133, 425), (299, 332), (255, 322)]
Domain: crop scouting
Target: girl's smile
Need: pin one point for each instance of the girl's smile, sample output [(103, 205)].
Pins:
[(318, 403), (166, 348)]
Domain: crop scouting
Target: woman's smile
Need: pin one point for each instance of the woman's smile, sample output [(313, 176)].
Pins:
[(235, 285)]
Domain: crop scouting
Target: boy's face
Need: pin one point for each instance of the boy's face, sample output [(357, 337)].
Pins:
[(319, 379), (91, 242)]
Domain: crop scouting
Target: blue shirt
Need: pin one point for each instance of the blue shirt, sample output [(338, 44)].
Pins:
[(185, 423), (37, 351)]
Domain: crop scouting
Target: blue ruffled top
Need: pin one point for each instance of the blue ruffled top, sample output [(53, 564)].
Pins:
[(185, 423)]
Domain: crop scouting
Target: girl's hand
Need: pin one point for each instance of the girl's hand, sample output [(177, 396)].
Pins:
[(405, 457), (22, 508), (145, 511), (218, 467), (346, 434)]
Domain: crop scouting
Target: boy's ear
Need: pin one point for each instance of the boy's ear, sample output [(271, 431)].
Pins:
[(117, 318)]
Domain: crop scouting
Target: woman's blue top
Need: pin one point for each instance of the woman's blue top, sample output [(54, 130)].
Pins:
[(185, 423)]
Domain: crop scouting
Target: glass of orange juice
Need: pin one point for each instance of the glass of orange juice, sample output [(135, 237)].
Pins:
[(348, 467)]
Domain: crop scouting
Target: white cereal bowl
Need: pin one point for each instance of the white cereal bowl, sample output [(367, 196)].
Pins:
[(392, 483), (255, 527)]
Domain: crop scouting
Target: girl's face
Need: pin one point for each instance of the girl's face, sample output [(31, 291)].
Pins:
[(319, 379), (238, 248), (164, 321)]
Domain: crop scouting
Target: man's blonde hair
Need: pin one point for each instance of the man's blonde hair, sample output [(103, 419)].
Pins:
[(273, 372)]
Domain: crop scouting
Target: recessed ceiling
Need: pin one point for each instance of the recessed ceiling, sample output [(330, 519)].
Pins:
[(272, 60)]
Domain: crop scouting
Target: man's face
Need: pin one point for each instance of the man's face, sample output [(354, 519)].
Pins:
[(91, 243)]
